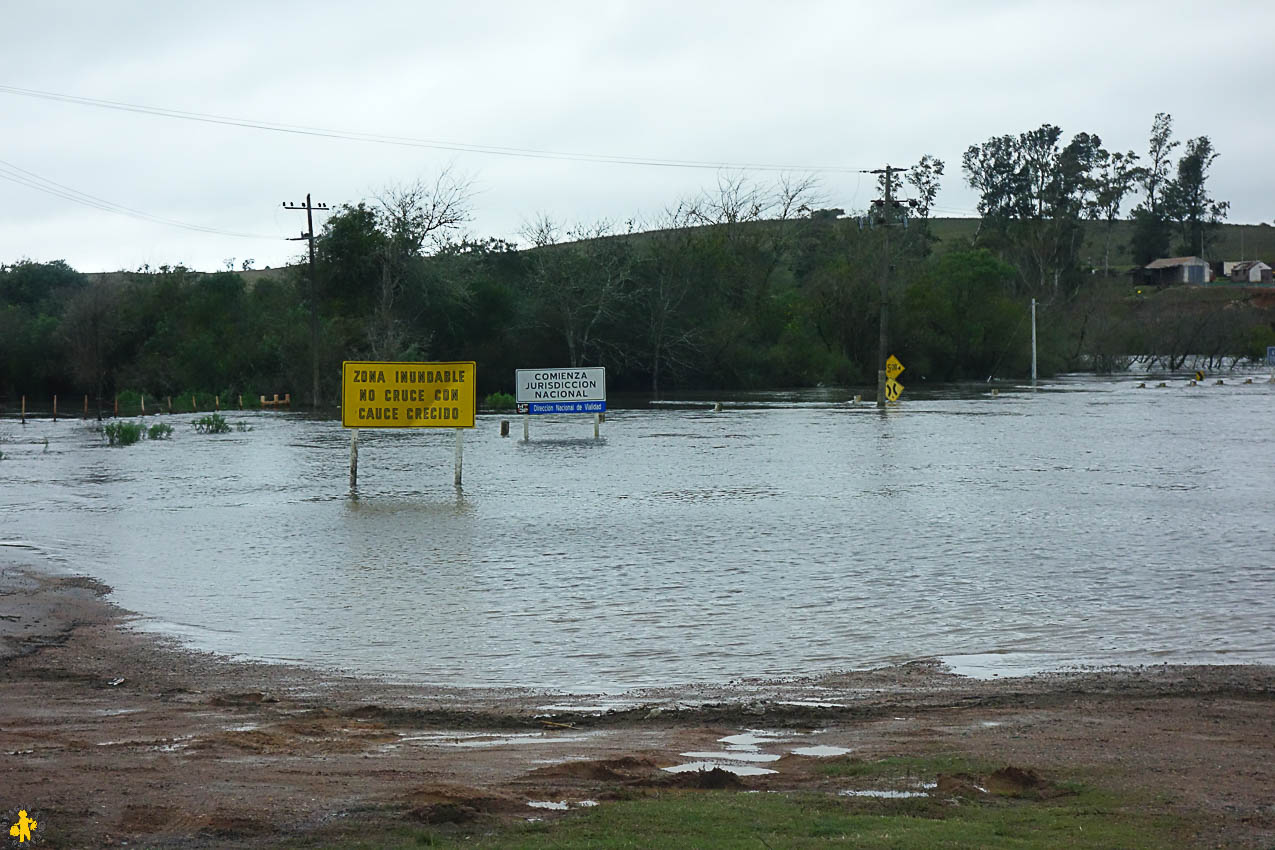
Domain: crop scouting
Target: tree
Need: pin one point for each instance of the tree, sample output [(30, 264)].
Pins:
[(1115, 178), (580, 284), (409, 216), (1151, 231), (675, 270), (1035, 194), (1186, 200), (925, 178)]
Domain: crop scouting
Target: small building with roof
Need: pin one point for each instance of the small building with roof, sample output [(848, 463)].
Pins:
[(1175, 271), (1248, 271)]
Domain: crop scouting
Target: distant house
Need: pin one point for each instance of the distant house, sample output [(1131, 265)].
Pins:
[(1172, 271), (1249, 271)]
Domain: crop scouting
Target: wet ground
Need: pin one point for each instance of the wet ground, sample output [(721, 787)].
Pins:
[(109, 737), (1090, 523)]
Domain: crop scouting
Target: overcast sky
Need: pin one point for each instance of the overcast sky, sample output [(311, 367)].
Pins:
[(835, 85)]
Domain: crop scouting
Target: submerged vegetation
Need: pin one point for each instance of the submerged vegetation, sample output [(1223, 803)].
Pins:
[(123, 433), (743, 285), (212, 423)]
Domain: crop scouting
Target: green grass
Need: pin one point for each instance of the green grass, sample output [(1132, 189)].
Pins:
[(1082, 818)]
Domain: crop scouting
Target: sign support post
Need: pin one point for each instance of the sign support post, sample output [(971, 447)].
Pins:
[(354, 458), (460, 453)]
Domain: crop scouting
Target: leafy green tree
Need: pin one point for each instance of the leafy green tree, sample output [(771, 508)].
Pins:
[(1151, 228), (1035, 194), (1187, 200), (959, 320), (1116, 174)]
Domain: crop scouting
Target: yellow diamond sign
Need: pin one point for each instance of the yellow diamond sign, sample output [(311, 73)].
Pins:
[(893, 389), (893, 368)]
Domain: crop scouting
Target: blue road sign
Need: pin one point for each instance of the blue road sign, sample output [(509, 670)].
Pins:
[(566, 407)]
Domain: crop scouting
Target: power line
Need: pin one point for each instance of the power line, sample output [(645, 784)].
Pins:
[(408, 141), (14, 174)]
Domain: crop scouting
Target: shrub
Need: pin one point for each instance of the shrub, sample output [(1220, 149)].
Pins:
[(122, 433), (213, 423), (160, 431), (500, 401)]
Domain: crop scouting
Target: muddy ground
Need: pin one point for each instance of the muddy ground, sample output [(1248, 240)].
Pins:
[(109, 736)]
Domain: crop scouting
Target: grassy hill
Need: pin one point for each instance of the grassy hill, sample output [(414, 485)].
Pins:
[(1234, 242)]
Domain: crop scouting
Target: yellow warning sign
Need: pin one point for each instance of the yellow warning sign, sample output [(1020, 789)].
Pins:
[(408, 395), (893, 368), (893, 389), (1199, 376)]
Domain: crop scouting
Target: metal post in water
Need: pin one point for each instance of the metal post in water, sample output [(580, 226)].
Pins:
[(1033, 343), (354, 458), (460, 435), (597, 420), (24, 410), (86, 406), (526, 427), (55, 408), (142, 396)]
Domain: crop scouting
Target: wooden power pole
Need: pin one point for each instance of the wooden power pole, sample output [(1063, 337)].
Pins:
[(312, 288), (887, 219)]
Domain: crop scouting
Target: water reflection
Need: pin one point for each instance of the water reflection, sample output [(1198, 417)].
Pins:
[(788, 534)]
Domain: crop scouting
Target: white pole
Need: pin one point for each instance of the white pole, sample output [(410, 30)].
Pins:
[(1033, 343), (597, 418), (526, 427), (354, 458), (460, 453)]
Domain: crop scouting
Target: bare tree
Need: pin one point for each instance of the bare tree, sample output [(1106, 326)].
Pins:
[(414, 219), (581, 282)]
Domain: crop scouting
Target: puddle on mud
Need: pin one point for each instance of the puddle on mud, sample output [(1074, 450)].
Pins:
[(821, 751), (734, 756), (480, 739), (737, 769), (883, 794)]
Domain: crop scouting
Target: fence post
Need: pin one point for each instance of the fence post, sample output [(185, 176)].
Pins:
[(55, 407), (86, 406), (24, 410)]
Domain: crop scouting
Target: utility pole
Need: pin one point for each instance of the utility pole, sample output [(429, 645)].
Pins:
[(313, 288), (887, 210), (1033, 344)]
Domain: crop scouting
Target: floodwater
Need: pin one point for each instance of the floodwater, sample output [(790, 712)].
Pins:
[(790, 534)]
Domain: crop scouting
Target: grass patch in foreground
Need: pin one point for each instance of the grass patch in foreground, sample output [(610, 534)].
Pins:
[(730, 819)]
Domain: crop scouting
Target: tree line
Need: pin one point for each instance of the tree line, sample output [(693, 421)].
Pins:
[(745, 284)]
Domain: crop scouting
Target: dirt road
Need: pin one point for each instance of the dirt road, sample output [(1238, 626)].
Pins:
[(110, 736)]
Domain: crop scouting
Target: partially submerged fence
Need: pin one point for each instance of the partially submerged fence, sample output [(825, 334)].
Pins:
[(56, 407)]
